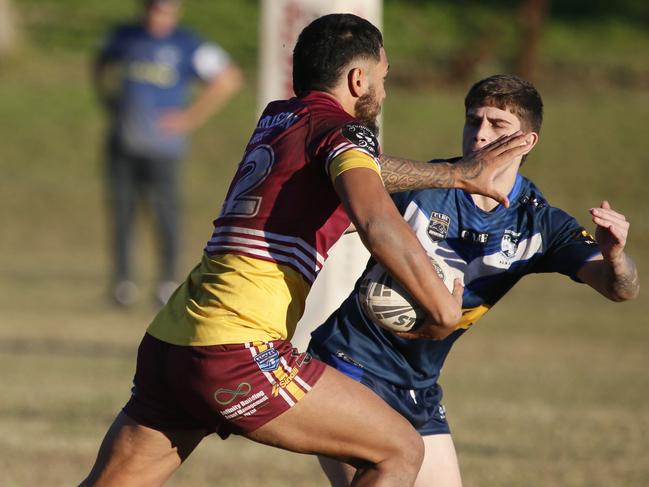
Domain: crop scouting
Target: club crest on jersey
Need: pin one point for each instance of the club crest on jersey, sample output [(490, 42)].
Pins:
[(438, 226), (509, 243), (268, 360), (362, 137)]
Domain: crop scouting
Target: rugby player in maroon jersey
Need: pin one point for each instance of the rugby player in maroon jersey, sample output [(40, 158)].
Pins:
[(217, 358)]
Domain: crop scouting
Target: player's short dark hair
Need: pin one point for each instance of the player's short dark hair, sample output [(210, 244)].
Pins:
[(509, 92), (327, 45)]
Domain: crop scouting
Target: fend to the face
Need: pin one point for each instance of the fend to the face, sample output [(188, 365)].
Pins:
[(483, 125)]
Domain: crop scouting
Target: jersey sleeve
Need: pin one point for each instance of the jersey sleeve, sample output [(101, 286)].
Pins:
[(351, 159), (346, 147), (570, 245), (209, 61)]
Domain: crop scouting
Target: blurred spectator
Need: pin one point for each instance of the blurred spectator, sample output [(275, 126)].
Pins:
[(142, 75)]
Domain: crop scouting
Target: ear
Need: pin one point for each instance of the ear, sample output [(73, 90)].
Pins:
[(532, 138), (356, 81)]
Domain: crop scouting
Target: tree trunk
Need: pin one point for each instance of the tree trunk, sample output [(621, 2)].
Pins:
[(531, 16)]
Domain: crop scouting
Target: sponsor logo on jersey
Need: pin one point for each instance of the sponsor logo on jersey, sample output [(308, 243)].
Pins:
[(301, 358), (438, 226), (473, 236), (268, 360), (509, 243), (533, 201), (362, 137), (245, 407), (285, 381), (438, 268), (441, 412), (284, 120), (582, 234)]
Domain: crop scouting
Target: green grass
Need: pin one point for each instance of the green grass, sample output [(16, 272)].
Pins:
[(550, 388)]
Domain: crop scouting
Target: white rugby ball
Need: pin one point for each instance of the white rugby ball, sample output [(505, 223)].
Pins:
[(387, 303)]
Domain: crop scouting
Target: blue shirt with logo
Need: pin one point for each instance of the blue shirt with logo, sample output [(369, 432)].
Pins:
[(154, 77), (488, 251)]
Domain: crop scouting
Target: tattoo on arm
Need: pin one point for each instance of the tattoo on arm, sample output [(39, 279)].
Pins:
[(623, 283), (407, 175), (470, 167)]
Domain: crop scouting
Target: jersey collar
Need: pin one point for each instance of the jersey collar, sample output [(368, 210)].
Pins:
[(518, 182)]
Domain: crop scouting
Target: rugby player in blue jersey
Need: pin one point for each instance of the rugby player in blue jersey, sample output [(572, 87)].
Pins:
[(489, 248)]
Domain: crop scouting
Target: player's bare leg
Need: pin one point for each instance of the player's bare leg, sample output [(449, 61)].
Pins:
[(439, 469), (339, 474), (134, 455), (343, 419)]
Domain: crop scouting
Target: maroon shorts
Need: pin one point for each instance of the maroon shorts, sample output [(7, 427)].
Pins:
[(222, 388)]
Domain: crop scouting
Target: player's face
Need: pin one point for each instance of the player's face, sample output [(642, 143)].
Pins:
[(484, 125), (368, 106), (367, 109)]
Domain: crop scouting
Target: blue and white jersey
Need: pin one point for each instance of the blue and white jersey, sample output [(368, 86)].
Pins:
[(488, 251), (153, 77)]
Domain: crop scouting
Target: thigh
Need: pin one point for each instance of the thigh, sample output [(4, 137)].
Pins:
[(440, 467), (132, 454), (342, 419)]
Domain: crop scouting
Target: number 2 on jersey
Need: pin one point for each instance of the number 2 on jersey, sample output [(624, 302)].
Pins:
[(254, 169)]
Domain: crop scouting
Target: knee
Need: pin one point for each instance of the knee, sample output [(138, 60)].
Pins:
[(410, 451), (403, 452)]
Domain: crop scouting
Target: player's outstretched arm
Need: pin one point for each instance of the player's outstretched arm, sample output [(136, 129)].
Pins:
[(393, 243), (613, 273), (474, 173)]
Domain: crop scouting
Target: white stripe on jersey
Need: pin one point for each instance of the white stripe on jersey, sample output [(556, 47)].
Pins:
[(308, 249), (279, 258), (218, 242), (454, 266)]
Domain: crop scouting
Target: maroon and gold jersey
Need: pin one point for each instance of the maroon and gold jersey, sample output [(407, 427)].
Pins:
[(279, 220)]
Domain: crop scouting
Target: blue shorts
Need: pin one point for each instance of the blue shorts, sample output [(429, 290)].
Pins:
[(421, 407)]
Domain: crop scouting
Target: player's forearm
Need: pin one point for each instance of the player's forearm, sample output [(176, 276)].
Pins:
[(408, 175), (395, 246), (622, 282)]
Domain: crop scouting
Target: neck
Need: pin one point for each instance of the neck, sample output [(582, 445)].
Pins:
[(342, 96), (503, 183)]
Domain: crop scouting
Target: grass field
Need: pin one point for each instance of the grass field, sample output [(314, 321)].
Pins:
[(550, 389)]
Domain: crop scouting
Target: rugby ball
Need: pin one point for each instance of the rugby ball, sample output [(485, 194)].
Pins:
[(386, 303)]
